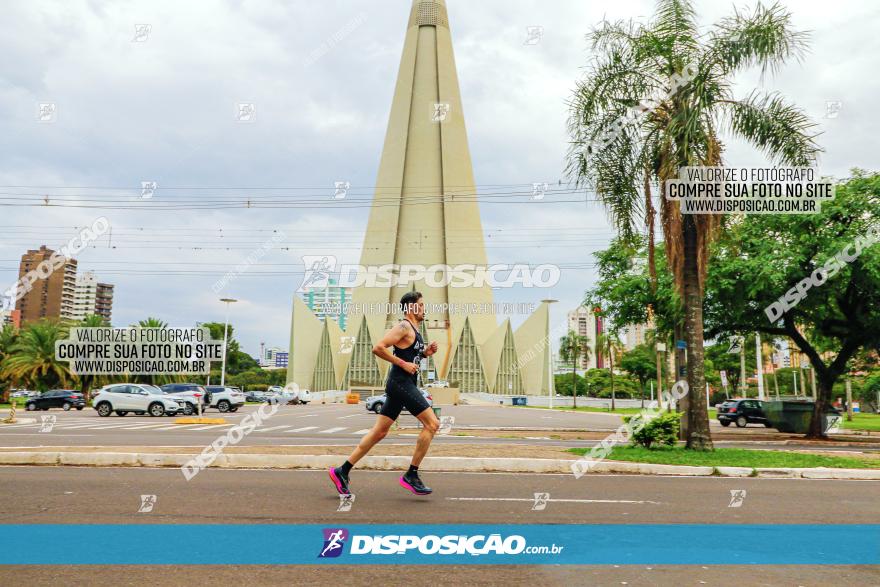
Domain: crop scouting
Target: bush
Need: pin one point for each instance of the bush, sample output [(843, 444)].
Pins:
[(662, 429)]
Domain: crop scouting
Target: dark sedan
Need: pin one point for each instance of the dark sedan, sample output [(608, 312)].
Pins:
[(742, 412), (56, 398)]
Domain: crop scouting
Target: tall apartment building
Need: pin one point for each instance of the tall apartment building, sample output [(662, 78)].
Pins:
[(583, 321), (92, 297), (10, 317), (635, 334), (328, 302), (52, 297)]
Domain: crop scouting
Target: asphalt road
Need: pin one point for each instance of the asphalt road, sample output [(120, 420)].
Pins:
[(336, 424), (86, 495)]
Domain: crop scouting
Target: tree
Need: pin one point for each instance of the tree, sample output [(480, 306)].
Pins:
[(640, 362), (88, 381), (237, 361), (572, 347), (152, 323), (623, 139), (609, 345), (31, 358), (837, 315), (8, 336), (624, 287)]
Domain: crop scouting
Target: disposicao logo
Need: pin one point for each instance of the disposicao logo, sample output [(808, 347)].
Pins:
[(334, 541)]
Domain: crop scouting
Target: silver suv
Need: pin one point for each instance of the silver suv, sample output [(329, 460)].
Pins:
[(225, 398), (188, 392), (139, 398)]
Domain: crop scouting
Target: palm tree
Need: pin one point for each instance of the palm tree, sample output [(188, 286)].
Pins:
[(8, 336), (31, 359), (88, 381), (635, 62), (151, 322), (572, 347), (608, 344)]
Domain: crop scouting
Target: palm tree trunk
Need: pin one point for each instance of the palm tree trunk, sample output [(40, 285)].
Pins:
[(611, 370), (698, 435), (574, 387), (649, 217)]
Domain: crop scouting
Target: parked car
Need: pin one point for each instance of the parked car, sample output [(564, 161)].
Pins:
[(376, 402), (187, 392), (438, 383), (255, 396), (23, 393), (139, 398), (225, 399), (56, 398), (742, 412)]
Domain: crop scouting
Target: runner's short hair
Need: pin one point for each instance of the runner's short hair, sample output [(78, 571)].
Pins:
[(410, 297)]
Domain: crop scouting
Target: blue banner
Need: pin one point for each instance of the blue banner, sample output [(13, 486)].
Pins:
[(519, 544)]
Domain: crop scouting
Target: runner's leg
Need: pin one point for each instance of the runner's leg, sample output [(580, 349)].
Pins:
[(371, 438), (430, 425)]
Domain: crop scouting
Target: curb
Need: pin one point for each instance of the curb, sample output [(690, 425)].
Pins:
[(199, 420), (395, 463)]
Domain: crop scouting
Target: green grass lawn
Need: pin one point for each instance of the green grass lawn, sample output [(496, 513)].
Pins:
[(619, 411), (863, 422), (732, 457)]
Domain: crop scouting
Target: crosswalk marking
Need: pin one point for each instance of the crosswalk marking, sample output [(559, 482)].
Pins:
[(154, 425)]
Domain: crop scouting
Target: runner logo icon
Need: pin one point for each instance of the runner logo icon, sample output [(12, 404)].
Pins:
[(334, 541)]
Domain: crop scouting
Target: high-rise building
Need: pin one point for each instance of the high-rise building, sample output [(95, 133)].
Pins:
[(329, 301), (104, 300), (12, 317), (50, 296), (424, 213), (92, 297), (584, 322), (635, 335)]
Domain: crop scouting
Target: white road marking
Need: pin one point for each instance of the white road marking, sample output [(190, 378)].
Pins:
[(331, 430), (349, 416), (178, 427), (364, 431), (549, 500), (304, 429), (271, 428), (210, 426)]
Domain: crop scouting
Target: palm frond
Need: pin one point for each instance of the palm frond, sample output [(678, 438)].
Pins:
[(781, 130)]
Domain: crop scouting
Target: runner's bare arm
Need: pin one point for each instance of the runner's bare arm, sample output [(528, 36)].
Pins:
[(391, 338)]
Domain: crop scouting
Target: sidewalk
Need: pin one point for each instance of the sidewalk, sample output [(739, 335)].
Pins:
[(460, 458)]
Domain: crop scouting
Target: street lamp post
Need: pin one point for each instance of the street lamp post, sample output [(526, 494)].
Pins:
[(226, 301), (550, 386)]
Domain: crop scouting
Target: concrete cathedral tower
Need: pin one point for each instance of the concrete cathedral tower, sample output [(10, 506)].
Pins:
[(425, 213)]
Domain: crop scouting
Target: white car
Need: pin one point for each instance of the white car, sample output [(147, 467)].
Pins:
[(139, 398), (225, 398)]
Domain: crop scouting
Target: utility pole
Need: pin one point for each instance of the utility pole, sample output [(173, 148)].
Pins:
[(742, 369), (226, 301), (661, 348), (760, 370), (849, 409)]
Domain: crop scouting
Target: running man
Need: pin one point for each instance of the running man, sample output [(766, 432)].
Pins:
[(401, 391)]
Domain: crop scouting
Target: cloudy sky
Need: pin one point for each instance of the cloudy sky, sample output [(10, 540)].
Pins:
[(160, 104)]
